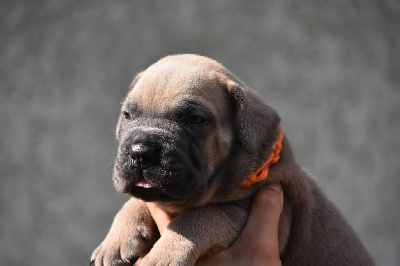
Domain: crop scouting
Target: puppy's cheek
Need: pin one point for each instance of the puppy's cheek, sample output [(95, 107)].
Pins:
[(122, 175), (185, 181), (120, 184), (217, 148), (187, 188)]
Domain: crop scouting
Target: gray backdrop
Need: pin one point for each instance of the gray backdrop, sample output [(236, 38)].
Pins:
[(330, 69)]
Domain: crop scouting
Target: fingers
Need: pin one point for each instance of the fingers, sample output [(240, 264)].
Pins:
[(161, 218), (260, 234)]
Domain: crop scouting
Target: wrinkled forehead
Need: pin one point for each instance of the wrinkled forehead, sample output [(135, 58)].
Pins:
[(163, 86)]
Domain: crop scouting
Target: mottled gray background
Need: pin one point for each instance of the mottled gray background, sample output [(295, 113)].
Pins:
[(330, 68)]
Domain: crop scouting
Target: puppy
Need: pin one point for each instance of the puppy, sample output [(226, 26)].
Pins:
[(198, 142)]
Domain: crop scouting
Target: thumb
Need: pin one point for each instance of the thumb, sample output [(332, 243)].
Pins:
[(160, 217), (261, 229)]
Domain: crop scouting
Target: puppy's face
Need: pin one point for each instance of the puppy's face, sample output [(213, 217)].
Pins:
[(182, 125), (175, 129)]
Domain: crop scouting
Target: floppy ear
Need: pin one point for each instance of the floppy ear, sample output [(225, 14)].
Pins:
[(256, 122), (118, 129)]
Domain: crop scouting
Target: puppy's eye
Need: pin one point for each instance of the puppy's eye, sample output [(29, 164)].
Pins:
[(194, 119), (126, 115)]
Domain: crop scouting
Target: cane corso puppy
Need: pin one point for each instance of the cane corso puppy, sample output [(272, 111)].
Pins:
[(198, 142)]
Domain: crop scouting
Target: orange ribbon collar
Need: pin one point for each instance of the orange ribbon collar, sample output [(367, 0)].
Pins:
[(262, 172)]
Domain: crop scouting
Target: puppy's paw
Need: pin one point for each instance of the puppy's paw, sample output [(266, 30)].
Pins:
[(119, 251), (171, 249), (131, 236)]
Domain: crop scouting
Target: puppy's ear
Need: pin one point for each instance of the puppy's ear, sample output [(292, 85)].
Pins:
[(256, 122), (118, 129)]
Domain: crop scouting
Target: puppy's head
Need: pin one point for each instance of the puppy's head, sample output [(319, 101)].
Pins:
[(185, 120)]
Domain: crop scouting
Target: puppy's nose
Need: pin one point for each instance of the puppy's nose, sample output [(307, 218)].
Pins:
[(141, 155)]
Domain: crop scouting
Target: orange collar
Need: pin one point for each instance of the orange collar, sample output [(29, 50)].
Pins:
[(262, 172)]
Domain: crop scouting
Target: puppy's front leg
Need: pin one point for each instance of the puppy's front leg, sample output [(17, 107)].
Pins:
[(131, 236), (197, 232)]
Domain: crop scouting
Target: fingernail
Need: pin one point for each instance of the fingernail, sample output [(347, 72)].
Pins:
[(276, 187)]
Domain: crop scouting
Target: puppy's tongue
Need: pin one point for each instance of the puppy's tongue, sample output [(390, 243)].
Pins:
[(144, 183)]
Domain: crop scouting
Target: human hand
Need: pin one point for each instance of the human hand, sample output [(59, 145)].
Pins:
[(258, 242)]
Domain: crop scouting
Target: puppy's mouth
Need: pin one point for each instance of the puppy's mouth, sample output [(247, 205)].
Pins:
[(147, 191), (144, 183), (170, 176)]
